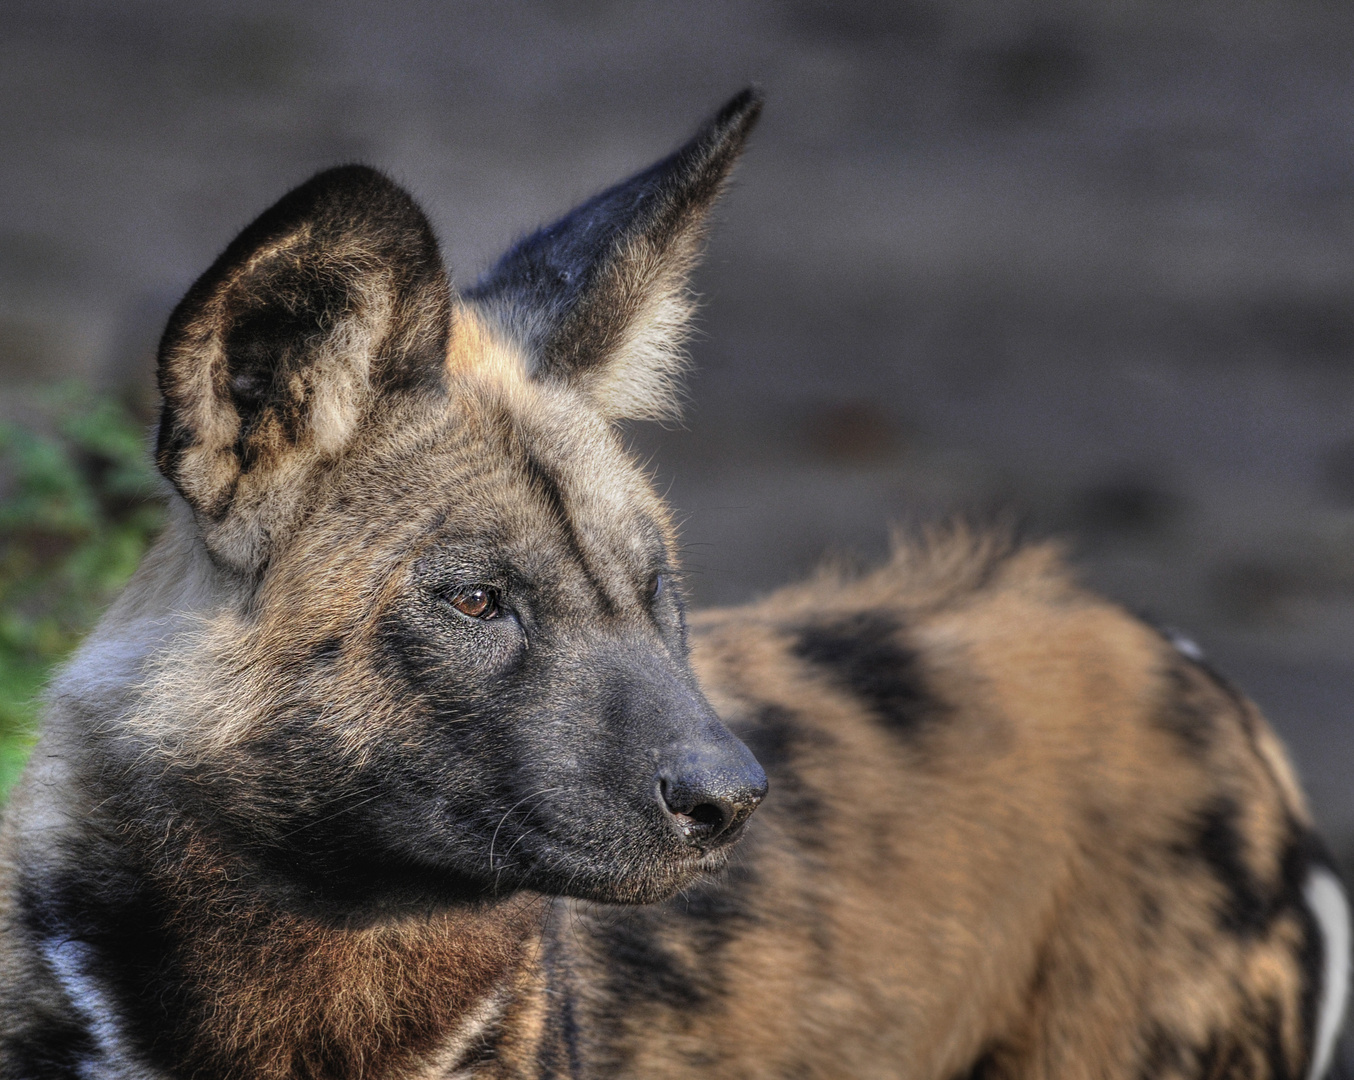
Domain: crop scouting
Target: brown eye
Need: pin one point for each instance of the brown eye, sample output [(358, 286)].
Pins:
[(476, 603)]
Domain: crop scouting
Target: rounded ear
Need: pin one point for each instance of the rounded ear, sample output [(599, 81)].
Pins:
[(600, 298), (332, 304)]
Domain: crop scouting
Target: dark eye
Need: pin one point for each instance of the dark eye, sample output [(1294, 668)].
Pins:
[(656, 587), (477, 603)]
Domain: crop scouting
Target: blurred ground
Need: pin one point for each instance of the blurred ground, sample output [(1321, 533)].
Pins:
[(1093, 263)]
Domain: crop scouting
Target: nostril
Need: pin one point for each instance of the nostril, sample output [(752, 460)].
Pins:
[(716, 815), (701, 816)]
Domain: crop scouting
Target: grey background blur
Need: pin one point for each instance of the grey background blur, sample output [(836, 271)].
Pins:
[(1091, 263)]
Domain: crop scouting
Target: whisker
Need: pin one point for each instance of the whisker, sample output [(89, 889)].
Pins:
[(494, 839), (330, 817)]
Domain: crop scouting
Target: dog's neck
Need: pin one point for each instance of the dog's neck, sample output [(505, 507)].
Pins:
[(178, 957)]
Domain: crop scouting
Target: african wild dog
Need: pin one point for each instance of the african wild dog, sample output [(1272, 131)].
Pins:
[(355, 778)]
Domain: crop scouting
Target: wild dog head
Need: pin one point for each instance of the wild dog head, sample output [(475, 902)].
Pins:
[(444, 654)]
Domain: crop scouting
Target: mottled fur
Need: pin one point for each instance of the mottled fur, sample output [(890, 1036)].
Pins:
[(295, 814)]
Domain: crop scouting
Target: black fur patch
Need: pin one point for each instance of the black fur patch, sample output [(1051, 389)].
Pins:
[(327, 651), (558, 1053), (1248, 909), (1186, 711), (1251, 906), (1229, 1054), (865, 655), (55, 1050), (1161, 1052), (777, 739), (1226, 1054), (270, 343), (642, 965), (548, 488), (645, 947), (123, 929), (1247, 906), (1183, 666), (1305, 851), (985, 1068), (716, 911)]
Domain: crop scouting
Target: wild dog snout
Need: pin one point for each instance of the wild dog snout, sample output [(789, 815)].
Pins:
[(705, 781), (710, 790)]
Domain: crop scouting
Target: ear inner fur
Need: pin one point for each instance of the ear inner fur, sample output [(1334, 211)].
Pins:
[(331, 303)]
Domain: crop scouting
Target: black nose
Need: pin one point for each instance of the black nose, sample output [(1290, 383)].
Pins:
[(711, 791)]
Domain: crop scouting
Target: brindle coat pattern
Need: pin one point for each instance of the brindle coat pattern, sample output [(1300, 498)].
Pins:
[(293, 815)]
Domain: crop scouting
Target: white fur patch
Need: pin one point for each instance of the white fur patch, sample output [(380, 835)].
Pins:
[(1328, 902), (69, 961), (1186, 646), (472, 1026)]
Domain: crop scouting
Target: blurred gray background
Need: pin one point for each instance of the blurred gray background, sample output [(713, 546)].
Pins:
[(1091, 264)]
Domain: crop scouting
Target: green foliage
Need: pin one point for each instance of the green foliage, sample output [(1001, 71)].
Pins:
[(77, 511)]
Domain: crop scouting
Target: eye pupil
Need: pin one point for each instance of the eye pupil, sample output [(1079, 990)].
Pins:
[(477, 603)]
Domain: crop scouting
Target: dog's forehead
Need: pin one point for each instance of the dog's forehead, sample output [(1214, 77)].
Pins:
[(528, 479), (561, 464), (504, 470), (544, 439)]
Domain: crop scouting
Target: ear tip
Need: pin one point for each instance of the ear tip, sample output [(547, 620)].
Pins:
[(728, 129), (353, 171), (354, 201), (351, 177), (353, 187), (710, 155), (741, 111)]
